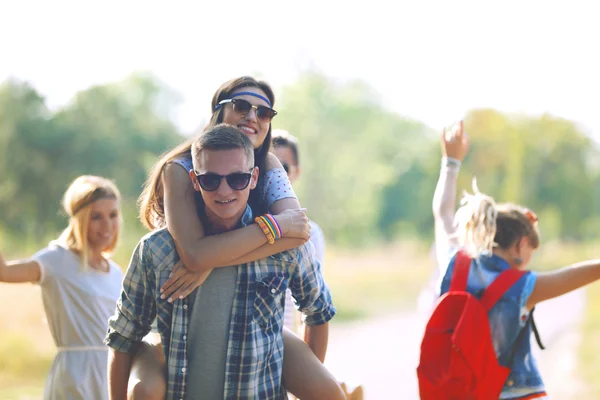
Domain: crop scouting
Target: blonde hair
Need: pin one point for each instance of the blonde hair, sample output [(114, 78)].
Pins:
[(482, 224), (77, 201)]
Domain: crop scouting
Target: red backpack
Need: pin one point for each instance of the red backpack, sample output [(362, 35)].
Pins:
[(458, 361)]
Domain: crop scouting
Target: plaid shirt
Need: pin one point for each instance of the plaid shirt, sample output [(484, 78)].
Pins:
[(255, 349)]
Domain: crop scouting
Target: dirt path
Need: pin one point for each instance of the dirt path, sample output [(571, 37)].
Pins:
[(382, 354), (559, 321)]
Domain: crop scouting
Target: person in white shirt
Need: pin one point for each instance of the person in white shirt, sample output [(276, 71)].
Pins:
[(285, 147), (455, 146), (80, 286)]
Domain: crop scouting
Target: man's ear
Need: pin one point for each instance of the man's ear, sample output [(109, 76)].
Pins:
[(254, 179), (194, 179)]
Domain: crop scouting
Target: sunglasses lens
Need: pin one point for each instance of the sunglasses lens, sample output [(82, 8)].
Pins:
[(241, 106), (209, 182), (287, 168), (265, 113), (238, 181)]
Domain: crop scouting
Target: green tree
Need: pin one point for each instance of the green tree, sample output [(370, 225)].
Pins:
[(351, 149), (116, 130), (26, 173)]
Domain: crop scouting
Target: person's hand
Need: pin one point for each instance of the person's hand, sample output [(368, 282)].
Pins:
[(294, 224), (182, 282), (455, 142)]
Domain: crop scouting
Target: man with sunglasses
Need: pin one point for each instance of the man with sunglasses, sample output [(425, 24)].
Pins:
[(225, 339)]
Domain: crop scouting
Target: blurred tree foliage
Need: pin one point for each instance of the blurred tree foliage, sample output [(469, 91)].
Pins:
[(368, 174), (116, 130)]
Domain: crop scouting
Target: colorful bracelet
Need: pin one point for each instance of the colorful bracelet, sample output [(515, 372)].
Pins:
[(264, 227), (270, 226), (275, 225)]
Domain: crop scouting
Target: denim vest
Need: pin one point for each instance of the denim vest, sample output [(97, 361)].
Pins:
[(507, 318)]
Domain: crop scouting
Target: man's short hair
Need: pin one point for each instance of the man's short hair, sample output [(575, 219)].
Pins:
[(222, 137), (282, 138)]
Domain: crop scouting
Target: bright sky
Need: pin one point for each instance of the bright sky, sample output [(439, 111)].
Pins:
[(429, 60)]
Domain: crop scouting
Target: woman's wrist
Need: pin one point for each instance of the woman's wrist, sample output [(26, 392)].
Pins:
[(451, 162), (269, 227)]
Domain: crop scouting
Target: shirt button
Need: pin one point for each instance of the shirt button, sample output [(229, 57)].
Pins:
[(184, 337), (185, 306), (509, 382), (183, 369), (273, 291)]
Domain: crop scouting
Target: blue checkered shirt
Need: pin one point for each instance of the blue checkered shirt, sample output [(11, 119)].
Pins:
[(255, 349)]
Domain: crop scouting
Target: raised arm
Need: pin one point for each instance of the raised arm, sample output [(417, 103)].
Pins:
[(455, 145), (19, 271), (549, 285), (201, 253)]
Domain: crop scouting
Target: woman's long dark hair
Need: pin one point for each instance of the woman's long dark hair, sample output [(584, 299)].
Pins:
[(152, 210), (257, 203)]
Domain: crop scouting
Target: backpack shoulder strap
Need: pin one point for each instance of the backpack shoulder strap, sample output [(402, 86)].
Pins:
[(521, 336), (499, 286), (460, 275), (538, 339)]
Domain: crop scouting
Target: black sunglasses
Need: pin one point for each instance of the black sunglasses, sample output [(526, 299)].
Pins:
[(211, 182), (286, 168), (243, 107)]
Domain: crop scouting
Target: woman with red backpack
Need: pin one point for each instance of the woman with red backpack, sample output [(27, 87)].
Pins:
[(477, 341)]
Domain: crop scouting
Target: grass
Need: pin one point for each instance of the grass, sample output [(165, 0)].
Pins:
[(589, 361), (378, 281), (26, 347), (22, 392)]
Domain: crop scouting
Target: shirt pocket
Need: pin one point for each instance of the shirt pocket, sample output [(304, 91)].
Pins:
[(284, 257), (268, 303)]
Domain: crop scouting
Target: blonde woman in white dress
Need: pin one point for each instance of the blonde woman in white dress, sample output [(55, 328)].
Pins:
[(80, 285)]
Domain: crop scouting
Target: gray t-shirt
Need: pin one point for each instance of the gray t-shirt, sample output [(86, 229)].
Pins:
[(209, 335)]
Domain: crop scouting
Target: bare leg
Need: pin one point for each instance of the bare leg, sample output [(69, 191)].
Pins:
[(147, 377), (304, 375)]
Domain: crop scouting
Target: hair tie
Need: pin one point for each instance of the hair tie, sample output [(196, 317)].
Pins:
[(531, 216), (97, 194)]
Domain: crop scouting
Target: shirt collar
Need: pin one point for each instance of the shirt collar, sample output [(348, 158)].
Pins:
[(247, 217), (494, 262)]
